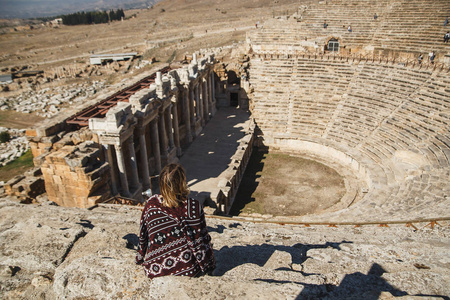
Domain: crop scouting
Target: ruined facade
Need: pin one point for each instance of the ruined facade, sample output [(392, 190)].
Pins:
[(119, 153)]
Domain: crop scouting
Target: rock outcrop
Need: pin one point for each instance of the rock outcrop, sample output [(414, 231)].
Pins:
[(50, 252)]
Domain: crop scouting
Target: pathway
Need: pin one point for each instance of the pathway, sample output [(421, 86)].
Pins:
[(210, 153)]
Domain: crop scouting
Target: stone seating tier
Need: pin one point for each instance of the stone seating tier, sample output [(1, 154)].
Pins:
[(393, 120), (407, 26)]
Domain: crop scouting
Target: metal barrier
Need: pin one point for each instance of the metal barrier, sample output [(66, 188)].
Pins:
[(358, 58), (432, 222)]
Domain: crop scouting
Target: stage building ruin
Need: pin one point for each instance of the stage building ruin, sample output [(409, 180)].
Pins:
[(117, 153)]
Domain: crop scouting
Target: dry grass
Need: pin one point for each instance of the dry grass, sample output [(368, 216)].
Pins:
[(13, 119), (284, 185)]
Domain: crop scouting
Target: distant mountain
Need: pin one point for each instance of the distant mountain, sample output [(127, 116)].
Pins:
[(46, 8)]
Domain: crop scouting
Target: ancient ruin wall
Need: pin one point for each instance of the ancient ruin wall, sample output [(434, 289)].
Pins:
[(76, 176), (118, 153)]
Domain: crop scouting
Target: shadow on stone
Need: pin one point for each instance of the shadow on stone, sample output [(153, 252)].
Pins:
[(228, 258), (249, 181), (86, 224), (219, 229), (132, 240), (354, 286)]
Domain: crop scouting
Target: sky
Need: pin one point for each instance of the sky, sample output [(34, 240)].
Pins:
[(46, 8)]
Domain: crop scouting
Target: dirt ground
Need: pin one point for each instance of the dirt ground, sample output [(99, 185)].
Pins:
[(13, 119), (179, 26), (279, 184)]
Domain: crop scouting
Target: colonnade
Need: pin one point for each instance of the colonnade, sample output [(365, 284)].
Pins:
[(198, 105), (142, 136)]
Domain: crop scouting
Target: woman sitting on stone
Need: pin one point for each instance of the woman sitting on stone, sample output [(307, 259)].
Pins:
[(173, 238)]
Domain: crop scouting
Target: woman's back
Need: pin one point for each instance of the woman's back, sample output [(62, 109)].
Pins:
[(174, 241)]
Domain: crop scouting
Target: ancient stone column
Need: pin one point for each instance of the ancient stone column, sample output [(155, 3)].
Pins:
[(176, 132), (169, 125), (187, 115), (122, 171), (162, 138), (112, 169), (212, 87), (144, 160), (158, 79), (211, 95), (193, 111), (199, 103), (155, 145), (205, 101), (133, 164)]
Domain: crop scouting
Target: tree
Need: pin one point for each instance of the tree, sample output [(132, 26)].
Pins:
[(5, 137), (92, 17)]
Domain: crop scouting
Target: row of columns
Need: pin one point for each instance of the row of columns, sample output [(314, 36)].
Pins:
[(130, 174), (198, 103)]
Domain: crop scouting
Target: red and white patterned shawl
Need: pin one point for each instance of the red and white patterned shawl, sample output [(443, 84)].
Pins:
[(174, 241)]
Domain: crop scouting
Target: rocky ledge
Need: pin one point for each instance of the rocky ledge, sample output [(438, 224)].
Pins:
[(50, 252)]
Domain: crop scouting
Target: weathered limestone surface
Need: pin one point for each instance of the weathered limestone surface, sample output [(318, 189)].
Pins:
[(72, 253)]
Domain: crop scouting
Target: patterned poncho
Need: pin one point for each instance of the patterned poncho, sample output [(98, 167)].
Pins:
[(174, 241)]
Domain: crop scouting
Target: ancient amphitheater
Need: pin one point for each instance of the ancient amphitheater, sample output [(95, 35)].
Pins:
[(370, 111)]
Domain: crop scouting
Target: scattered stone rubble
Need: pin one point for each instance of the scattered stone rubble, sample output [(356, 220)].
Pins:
[(26, 188), (15, 147), (48, 102)]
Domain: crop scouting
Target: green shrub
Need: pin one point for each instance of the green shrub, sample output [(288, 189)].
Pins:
[(4, 137)]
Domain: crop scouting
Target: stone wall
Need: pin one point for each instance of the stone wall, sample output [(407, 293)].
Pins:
[(76, 175), (232, 176)]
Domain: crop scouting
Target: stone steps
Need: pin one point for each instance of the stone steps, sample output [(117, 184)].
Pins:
[(395, 118), (404, 26)]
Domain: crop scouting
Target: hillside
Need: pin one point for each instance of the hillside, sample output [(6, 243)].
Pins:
[(47, 8), (170, 26)]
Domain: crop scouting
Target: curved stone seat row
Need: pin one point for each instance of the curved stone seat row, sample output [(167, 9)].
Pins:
[(402, 26), (393, 120)]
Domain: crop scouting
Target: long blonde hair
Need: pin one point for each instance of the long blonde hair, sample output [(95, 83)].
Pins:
[(172, 185)]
